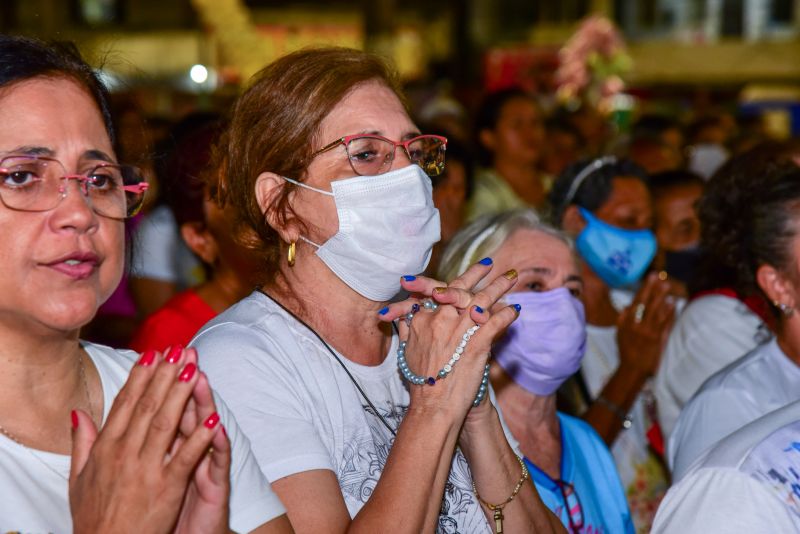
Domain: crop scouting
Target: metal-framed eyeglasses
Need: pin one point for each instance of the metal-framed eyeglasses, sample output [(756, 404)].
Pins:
[(38, 183), (572, 505), (370, 155)]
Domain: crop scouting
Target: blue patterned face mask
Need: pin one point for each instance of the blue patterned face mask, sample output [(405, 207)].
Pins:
[(619, 257)]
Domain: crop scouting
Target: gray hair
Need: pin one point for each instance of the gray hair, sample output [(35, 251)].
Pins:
[(482, 237)]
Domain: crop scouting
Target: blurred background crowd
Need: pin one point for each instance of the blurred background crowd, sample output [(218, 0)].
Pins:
[(671, 84)]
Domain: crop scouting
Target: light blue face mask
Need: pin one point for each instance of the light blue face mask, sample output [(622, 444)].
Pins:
[(618, 256)]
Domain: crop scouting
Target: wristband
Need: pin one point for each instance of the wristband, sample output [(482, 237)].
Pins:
[(625, 418)]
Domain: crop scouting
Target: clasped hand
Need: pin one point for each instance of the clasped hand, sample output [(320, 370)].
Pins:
[(434, 335), (161, 462)]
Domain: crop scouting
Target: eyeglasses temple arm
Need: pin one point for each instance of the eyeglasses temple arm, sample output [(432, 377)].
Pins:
[(329, 146), (141, 187)]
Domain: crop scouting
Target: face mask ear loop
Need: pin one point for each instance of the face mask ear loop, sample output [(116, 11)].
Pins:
[(467, 259), (300, 184), (309, 241)]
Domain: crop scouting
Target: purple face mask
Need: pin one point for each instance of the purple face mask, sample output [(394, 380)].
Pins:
[(545, 345)]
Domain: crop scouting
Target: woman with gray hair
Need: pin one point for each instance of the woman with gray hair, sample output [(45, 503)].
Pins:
[(572, 468)]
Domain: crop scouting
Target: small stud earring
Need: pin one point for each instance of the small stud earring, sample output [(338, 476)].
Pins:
[(785, 308), (292, 253)]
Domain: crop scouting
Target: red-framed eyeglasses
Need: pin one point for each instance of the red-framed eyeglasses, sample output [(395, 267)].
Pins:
[(371, 155)]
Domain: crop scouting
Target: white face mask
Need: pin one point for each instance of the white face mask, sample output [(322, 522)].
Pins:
[(387, 228)]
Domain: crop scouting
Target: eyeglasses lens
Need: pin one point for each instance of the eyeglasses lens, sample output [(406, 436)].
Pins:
[(38, 184), (370, 155)]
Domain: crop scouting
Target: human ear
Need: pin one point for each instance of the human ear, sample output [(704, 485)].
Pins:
[(778, 288), (572, 221), (200, 241), (268, 189), (487, 139)]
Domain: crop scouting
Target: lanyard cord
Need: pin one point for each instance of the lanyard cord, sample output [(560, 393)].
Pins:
[(333, 353)]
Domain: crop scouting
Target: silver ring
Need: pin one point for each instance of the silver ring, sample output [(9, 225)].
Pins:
[(638, 313), (410, 315)]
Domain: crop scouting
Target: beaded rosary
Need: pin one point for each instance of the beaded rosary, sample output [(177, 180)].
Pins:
[(419, 380)]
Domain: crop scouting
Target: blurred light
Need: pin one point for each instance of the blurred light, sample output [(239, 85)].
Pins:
[(198, 74), (622, 102)]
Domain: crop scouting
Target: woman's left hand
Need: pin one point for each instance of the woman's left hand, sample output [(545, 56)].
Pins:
[(205, 505), (151, 462)]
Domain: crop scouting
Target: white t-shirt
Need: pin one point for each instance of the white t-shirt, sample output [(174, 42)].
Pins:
[(642, 475), (748, 482), (34, 484), (760, 382), (712, 332), (159, 252), (301, 411)]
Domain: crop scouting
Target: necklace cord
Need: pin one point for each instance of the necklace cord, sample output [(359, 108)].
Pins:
[(16, 440), (333, 353)]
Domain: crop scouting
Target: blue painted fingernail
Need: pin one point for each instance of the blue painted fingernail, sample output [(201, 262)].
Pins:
[(486, 261), (384, 310), (409, 278), (478, 309), (517, 307)]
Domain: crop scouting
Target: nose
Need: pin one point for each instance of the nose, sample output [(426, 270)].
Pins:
[(74, 209), (401, 158)]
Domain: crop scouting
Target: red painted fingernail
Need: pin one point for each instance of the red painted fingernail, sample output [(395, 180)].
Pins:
[(224, 431), (188, 372), (148, 357), (74, 415), (174, 354), (212, 420)]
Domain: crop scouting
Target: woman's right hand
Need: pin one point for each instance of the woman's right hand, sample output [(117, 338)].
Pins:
[(434, 336), (644, 326), (133, 475)]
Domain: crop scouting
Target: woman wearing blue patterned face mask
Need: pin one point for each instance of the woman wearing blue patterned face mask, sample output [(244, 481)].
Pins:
[(606, 206)]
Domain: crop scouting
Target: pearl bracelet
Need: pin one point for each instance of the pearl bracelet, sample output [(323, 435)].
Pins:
[(419, 380)]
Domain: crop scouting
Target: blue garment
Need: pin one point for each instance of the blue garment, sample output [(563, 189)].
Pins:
[(586, 466)]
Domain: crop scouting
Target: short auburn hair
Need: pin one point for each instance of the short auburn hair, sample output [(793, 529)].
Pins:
[(274, 128)]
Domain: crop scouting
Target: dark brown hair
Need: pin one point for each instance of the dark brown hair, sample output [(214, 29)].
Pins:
[(747, 218), (25, 58), (274, 127)]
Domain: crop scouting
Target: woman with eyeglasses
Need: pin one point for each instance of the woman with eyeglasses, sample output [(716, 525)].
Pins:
[(570, 465), (160, 461), (360, 423), (605, 204)]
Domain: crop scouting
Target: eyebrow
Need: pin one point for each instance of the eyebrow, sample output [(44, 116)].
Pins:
[(29, 150), (410, 135), (546, 271), (97, 154), (32, 151), (541, 270)]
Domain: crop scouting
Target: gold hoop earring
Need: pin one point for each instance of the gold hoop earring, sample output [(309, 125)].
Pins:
[(292, 253)]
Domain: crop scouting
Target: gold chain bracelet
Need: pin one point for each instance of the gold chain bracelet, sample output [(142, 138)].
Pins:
[(498, 508)]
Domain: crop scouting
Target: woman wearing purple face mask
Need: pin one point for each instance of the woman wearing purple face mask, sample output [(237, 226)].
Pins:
[(570, 465)]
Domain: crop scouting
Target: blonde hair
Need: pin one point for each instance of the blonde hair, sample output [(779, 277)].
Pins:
[(482, 237)]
